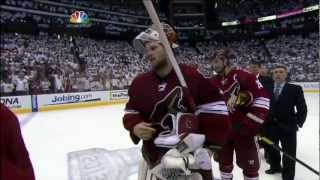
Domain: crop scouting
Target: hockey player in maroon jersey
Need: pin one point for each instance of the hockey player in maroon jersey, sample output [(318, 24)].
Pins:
[(159, 107), (15, 163), (248, 106)]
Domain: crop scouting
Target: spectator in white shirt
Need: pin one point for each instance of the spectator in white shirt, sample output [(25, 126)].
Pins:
[(86, 83), (58, 86), (21, 84), (96, 85), (6, 87), (74, 84), (45, 86), (107, 84)]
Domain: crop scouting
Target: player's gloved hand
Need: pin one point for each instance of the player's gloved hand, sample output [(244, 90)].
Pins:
[(144, 131)]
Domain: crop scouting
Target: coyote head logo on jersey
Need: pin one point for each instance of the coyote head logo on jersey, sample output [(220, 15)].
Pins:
[(164, 113), (171, 103)]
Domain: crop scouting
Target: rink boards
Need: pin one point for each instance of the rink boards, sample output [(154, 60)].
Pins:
[(47, 102)]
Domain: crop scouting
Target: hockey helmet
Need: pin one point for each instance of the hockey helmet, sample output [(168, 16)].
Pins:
[(151, 34)]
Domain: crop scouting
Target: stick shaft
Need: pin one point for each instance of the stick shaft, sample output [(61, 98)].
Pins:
[(163, 38), (270, 143)]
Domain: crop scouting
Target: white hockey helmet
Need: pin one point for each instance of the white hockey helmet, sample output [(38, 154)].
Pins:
[(151, 34)]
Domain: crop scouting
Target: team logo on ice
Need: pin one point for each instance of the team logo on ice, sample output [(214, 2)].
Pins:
[(99, 163)]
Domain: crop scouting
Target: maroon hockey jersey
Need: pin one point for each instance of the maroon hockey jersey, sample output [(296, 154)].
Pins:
[(247, 119), (147, 91), (14, 157)]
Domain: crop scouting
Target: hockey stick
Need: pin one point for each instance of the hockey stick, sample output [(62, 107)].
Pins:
[(163, 38), (270, 143)]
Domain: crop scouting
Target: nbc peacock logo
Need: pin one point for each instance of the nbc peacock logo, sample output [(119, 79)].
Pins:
[(79, 17)]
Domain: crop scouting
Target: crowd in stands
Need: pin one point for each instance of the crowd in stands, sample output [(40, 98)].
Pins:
[(137, 10), (229, 11), (301, 55), (35, 64), (118, 20), (115, 14), (225, 10)]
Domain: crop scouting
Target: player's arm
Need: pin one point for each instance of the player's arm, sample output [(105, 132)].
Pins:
[(16, 161), (258, 107), (134, 121), (138, 129)]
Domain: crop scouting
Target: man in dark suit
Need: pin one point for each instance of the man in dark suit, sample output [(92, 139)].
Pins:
[(284, 122)]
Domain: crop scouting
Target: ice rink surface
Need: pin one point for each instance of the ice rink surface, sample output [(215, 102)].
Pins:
[(50, 136)]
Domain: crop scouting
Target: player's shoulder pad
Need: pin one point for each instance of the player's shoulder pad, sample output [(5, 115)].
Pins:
[(140, 78)]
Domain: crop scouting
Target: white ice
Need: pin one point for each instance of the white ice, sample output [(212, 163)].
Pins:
[(49, 136)]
